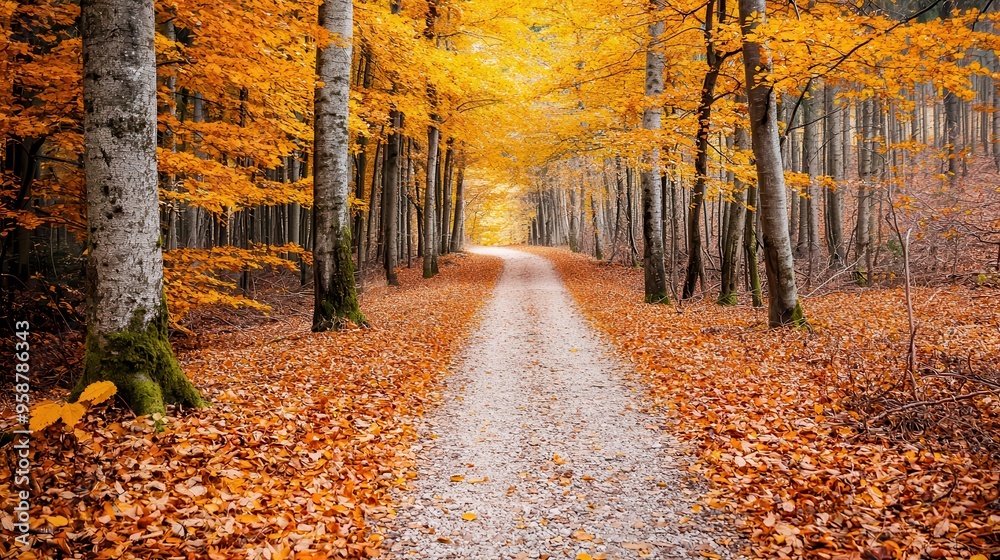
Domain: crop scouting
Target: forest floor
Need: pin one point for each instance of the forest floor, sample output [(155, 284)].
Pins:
[(296, 455), (816, 438), (542, 447), (578, 423)]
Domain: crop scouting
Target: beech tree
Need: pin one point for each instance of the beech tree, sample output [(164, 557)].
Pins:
[(126, 340), (336, 298), (783, 304)]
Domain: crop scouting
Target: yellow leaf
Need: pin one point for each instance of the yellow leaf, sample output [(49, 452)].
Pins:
[(457, 478), (57, 520), (98, 392), (979, 557), (584, 556), (72, 413), (44, 415), (469, 516)]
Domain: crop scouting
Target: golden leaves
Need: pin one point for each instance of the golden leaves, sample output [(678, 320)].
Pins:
[(47, 413), (44, 414), (98, 392)]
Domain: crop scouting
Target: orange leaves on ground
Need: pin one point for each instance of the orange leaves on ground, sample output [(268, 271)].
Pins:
[(770, 414), (305, 437)]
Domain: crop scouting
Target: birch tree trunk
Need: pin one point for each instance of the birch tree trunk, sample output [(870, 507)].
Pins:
[(335, 293), (126, 340), (652, 205), (430, 214), (783, 304)]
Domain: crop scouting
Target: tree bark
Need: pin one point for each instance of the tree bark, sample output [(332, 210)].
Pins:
[(458, 229), (655, 275), (336, 299), (430, 214), (696, 266), (783, 304), (735, 232), (390, 197), (835, 169), (126, 339)]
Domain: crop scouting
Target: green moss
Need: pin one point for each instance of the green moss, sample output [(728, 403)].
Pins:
[(798, 317), (728, 299), (339, 305), (141, 364), (659, 298)]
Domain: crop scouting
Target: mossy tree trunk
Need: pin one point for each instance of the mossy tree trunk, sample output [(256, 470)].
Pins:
[(783, 304), (126, 314), (335, 294)]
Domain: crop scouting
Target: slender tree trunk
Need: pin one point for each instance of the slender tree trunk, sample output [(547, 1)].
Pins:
[(126, 339), (811, 157), (750, 245), (734, 235), (595, 209), (458, 229), (390, 197), (335, 293), (430, 215), (783, 305), (696, 265), (862, 230), (835, 169), (652, 218), (574, 225), (445, 224)]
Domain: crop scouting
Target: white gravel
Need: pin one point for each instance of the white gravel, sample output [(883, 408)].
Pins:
[(555, 456)]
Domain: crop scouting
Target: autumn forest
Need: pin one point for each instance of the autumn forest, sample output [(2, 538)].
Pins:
[(479, 279)]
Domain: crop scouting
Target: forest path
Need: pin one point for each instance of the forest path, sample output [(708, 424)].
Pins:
[(556, 458)]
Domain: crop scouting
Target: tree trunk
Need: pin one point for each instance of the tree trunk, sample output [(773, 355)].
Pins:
[(458, 229), (595, 209), (390, 197), (574, 225), (834, 213), (430, 214), (734, 235), (655, 274), (335, 294), (750, 245), (445, 224), (696, 266), (126, 339), (783, 304)]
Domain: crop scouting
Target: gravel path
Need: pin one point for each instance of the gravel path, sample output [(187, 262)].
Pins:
[(541, 450)]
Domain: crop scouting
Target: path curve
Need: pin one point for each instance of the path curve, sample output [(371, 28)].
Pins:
[(541, 437)]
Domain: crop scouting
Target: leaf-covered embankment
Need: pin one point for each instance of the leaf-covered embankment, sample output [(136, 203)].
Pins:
[(306, 435), (775, 415)]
